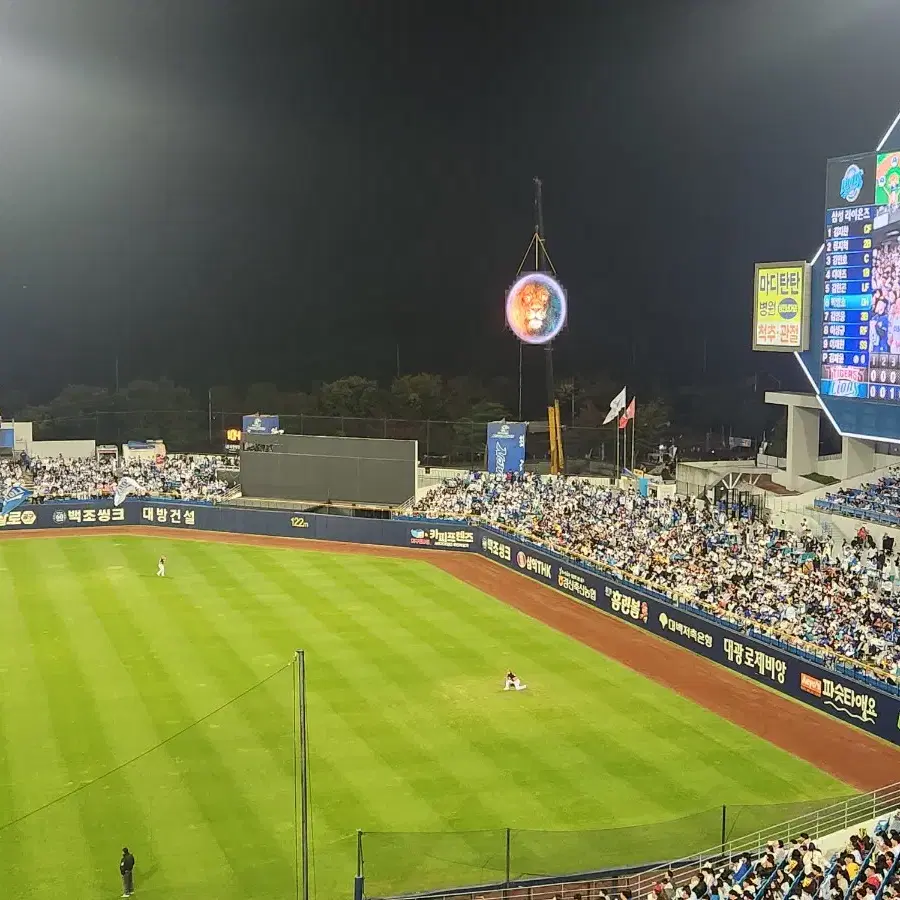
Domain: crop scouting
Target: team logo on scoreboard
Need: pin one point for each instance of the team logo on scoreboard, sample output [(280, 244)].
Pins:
[(844, 388), (852, 183), (788, 308)]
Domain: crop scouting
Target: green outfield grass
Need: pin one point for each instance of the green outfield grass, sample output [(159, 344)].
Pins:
[(101, 663)]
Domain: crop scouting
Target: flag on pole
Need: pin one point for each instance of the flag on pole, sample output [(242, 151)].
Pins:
[(628, 415), (124, 488), (617, 404)]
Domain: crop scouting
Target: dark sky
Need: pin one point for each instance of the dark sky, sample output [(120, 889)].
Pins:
[(250, 190)]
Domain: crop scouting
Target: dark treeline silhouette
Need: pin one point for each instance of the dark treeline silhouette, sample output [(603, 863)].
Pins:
[(446, 415)]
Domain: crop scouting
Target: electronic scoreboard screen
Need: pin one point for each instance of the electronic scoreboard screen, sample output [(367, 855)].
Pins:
[(861, 302)]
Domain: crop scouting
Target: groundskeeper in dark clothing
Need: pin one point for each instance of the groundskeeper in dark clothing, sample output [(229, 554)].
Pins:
[(126, 869)]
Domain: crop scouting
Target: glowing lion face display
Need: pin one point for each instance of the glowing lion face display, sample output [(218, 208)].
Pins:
[(536, 308)]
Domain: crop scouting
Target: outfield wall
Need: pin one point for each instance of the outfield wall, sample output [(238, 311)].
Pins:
[(840, 695), (240, 520)]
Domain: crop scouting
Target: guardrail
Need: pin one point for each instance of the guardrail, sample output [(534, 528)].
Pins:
[(854, 512), (818, 824)]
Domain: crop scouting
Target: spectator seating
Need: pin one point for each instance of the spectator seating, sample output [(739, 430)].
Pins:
[(865, 869), (793, 587), (178, 477), (877, 502)]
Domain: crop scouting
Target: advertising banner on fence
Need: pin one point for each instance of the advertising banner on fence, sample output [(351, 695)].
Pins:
[(839, 696), (506, 447), (260, 425), (240, 520)]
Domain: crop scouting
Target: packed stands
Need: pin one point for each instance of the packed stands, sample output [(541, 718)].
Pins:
[(877, 502), (176, 477), (795, 587), (865, 869)]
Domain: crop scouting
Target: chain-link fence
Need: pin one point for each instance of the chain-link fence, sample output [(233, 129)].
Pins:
[(406, 863), (441, 443)]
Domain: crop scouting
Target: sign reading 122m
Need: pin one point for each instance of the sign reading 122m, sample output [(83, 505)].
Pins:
[(536, 308)]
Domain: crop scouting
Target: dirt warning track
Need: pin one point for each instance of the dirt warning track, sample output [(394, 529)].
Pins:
[(843, 751)]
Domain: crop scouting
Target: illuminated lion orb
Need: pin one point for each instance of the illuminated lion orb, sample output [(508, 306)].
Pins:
[(536, 308)]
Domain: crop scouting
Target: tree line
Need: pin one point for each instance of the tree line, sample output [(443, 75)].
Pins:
[(455, 407)]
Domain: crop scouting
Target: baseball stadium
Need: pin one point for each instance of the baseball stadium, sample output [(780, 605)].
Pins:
[(316, 667)]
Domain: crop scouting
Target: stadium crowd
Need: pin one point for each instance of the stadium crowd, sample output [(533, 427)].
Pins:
[(884, 326), (798, 869), (798, 587), (877, 502), (178, 477)]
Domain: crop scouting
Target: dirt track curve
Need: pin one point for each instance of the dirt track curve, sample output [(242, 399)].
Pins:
[(842, 750)]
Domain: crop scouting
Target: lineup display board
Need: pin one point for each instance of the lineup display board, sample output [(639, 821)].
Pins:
[(861, 302), (781, 307)]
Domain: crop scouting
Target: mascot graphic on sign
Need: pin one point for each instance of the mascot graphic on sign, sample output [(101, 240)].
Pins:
[(534, 299), (536, 308)]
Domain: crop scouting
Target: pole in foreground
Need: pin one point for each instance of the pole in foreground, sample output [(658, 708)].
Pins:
[(303, 881)]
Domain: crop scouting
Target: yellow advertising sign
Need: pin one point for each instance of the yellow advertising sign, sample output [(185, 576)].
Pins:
[(781, 306)]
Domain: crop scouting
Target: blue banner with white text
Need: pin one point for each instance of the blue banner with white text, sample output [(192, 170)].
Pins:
[(260, 425), (506, 447), (15, 497)]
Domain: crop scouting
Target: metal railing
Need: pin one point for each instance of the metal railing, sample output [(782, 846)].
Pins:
[(823, 822), (839, 816)]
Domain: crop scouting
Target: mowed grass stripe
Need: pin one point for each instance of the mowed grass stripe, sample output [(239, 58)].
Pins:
[(49, 603), (626, 756), (354, 691), (401, 739), (157, 778), (406, 642), (513, 749), (277, 641), (717, 744), (32, 769), (141, 801), (350, 771), (228, 768), (410, 728), (674, 710), (363, 787)]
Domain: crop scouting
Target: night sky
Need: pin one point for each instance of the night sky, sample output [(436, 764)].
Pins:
[(230, 191)]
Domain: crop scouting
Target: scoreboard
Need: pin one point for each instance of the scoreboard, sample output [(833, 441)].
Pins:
[(847, 304), (860, 349)]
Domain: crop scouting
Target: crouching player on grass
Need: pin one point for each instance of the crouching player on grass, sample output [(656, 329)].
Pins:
[(513, 683)]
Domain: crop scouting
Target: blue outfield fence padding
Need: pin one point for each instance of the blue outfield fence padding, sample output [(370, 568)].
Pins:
[(827, 685), (240, 520)]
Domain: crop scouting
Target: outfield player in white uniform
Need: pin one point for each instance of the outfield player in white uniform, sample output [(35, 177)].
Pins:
[(513, 683), (161, 567)]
